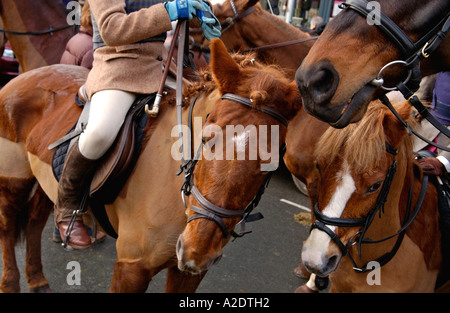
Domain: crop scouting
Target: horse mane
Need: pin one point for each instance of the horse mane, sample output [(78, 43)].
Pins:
[(362, 144), (264, 82)]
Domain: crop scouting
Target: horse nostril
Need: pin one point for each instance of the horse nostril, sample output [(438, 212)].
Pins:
[(331, 264), (216, 260), (323, 85), (317, 84), (179, 247)]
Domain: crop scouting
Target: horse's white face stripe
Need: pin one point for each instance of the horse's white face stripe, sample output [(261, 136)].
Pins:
[(342, 193), (318, 241)]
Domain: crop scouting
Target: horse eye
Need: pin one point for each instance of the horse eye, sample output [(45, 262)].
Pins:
[(374, 187)]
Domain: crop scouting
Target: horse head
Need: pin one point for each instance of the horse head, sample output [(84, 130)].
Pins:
[(353, 165), (342, 72), (242, 137)]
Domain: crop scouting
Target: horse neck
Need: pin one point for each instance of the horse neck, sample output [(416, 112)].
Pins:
[(262, 29), (34, 51)]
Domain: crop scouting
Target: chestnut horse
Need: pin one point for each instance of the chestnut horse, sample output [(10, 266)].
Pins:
[(224, 190), (253, 28), (38, 107), (342, 72), (248, 27), (23, 19), (366, 176)]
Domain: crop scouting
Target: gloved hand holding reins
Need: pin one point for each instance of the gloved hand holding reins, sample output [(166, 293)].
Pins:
[(195, 8)]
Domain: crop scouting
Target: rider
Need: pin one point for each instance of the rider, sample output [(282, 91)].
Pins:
[(128, 41), (439, 162)]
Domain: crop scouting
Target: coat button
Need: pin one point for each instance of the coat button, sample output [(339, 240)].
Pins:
[(159, 58)]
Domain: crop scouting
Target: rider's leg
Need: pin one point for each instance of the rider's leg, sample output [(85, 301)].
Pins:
[(106, 116)]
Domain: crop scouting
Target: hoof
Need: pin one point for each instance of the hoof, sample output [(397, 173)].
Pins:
[(302, 272), (305, 289), (41, 289)]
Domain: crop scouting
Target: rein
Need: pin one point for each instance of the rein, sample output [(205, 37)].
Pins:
[(364, 223), (414, 52), (208, 209), (50, 31)]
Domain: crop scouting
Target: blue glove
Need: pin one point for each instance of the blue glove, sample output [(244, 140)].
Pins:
[(210, 24), (182, 8)]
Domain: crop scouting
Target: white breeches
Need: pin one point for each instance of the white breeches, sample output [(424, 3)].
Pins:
[(106, 116)]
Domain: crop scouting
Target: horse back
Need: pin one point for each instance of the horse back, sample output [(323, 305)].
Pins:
[(38, 107)]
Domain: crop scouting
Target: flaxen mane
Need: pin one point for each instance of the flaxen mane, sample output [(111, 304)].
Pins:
[(362, 144)]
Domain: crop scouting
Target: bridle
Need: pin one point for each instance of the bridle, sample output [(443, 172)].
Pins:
[(364, 223), (208, 209), (413, 53)]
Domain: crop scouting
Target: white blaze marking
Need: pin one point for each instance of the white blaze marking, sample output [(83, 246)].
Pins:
[(318, 241)]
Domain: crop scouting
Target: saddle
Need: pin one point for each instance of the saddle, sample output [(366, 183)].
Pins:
[(117, 163)]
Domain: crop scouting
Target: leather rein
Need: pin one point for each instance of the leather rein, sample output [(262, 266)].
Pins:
[(364, 223), (208, 209), (414, 52)]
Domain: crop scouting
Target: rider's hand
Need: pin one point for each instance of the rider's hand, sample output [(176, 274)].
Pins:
[(183, 8), (210, 24), (432, 166)]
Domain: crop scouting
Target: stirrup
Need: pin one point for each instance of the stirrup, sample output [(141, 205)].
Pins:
[(82, 209), (65, 241)]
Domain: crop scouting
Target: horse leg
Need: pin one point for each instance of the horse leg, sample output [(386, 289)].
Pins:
[(39, 210), (178, 281), (11, 275), (12, 196), (130, 277)]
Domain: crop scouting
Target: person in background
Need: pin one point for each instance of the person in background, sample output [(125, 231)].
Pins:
[(439, 161), (79, 49), (316, 25)]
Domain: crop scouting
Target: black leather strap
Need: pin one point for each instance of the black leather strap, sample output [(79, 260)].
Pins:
[(265, 109)]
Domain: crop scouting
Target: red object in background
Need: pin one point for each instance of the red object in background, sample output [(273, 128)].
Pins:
[(9, 66)]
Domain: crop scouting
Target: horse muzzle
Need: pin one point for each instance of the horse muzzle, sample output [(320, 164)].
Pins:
[(318, 85), (192, 261)]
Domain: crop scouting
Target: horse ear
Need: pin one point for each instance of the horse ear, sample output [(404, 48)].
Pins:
[(393, 128), (225, 70)]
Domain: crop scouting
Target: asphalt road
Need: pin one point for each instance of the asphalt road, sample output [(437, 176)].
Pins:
[(260, 262)]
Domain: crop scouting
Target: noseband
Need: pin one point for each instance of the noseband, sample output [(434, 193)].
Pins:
[(208, 209), (413, 52), (364, 223)]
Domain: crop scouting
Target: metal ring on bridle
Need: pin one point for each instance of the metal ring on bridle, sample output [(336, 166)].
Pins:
[(379, 81)]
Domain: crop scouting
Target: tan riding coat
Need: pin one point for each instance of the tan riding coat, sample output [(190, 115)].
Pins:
[(125, 64)]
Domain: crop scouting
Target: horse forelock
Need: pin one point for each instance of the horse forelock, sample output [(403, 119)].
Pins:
[(363, 144), (263, 84)]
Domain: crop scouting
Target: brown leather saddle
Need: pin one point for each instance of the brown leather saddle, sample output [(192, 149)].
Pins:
[(117, 163)]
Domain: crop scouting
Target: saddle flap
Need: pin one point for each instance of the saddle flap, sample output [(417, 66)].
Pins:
[(119, 161)]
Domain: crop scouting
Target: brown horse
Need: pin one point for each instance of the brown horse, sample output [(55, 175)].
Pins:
[(24, 17), (250, 27), (337, 78), (38, 107), (253, 28), (359, 168), (225, 188)]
